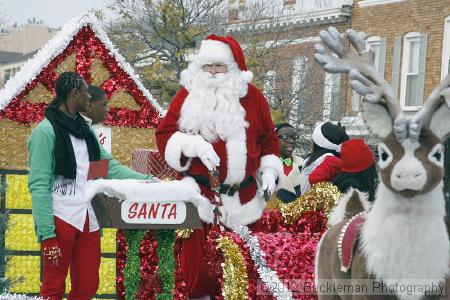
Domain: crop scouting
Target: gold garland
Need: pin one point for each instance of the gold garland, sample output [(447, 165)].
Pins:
[(184, 233), (69, 64), (123, 99), (27, 268), (235, 284), (13, 145), (40, 94), (323, 195), (127, 139), (108, 241), (17, 194), (20, 234), (99, 73), (107, 276)]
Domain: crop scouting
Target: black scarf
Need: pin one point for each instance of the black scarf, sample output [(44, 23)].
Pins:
[(65, 162)]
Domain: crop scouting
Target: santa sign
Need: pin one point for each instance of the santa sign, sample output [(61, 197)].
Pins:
[(153, 212), (146, 204)]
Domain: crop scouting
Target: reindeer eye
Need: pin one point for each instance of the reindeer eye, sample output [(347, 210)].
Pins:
[(385, 155), (435, 155)]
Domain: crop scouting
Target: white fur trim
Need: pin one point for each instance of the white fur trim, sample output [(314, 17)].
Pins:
[(234, 213), (190, 180), (212, 51), (338, 213), (236, 157), (180, 143), (247, 76), (206, 212), (406, 238), (272, 163), (322, 141)]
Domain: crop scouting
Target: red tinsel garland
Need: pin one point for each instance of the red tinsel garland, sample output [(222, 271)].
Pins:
[(150, 283), (121, 259), (85, 44), (180, 292)]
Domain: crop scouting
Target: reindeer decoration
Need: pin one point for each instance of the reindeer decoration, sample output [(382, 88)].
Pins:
[(403, 237)]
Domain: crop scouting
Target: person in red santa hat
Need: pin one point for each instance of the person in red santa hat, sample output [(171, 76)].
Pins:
[(218, 120)]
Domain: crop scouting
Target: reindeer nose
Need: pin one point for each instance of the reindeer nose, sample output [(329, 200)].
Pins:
[(407, 179)]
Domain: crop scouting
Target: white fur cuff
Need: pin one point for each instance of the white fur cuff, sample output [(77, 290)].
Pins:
[(178, 144), (272, 163)]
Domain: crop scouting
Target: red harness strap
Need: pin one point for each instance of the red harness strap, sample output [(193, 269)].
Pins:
[(347, 240)]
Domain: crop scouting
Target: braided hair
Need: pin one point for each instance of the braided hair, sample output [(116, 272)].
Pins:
[(64, 84)]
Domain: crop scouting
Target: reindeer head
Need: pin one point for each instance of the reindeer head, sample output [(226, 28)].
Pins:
[(411, 154)]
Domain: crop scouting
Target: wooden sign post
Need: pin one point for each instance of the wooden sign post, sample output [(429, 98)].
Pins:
[(111, 213)]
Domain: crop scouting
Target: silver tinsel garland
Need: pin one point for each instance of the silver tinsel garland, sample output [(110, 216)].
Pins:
[(18, 297), (267, 275)]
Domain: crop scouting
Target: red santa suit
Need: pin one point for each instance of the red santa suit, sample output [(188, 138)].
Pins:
[(245, 153)]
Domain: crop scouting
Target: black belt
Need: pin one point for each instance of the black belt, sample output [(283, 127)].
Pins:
[(228, 189)]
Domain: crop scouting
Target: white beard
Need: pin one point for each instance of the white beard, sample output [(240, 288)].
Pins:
[(212, 108)]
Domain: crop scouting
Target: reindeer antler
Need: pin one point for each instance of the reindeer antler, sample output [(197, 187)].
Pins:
[(366, 80), (440, 94)]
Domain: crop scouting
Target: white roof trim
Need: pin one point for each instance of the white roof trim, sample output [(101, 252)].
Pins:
[(324, 15), (57, 45), (366, 3)]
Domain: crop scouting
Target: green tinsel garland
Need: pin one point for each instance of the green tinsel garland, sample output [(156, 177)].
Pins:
[(166, 263), (131, 271)]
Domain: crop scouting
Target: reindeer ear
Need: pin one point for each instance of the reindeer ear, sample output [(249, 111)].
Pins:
[(440, 122), (377, 118)]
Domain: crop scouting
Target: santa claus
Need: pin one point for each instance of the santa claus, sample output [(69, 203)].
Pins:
[(218, 120)]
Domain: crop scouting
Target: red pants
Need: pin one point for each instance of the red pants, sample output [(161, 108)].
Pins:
[(80, 251)]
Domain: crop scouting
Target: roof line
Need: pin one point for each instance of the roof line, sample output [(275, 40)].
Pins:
[(57, 45)]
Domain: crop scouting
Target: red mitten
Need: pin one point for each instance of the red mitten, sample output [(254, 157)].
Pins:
[(51, 253)]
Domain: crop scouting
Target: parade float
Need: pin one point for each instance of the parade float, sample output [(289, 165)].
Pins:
[(143, 263), (81, 46)]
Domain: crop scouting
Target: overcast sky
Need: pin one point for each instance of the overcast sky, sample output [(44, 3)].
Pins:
[(53, 12)]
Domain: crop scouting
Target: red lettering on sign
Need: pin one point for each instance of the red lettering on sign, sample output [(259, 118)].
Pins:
[(173, 212), (132, 211), (143, 211), (153, 212), (164, 211)]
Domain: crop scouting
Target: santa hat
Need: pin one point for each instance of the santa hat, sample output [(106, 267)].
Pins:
[(329, 136), (356, 156), (219, 49)]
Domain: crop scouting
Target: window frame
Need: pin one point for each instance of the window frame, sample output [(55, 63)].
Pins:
[(407, 39), (446, 48)]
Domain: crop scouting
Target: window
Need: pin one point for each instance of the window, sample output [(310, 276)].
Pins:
[(331, 93), (269, 86), (299, 89), (378, 45), (413, 71), (445, 68)]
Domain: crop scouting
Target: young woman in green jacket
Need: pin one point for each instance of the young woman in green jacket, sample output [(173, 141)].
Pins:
[(61, 147)]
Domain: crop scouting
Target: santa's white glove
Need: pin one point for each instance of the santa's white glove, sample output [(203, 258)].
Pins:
[(207, 155), (268, 181)]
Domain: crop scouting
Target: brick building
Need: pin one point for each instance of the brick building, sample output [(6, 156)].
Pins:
[(411, 40), (288, 73)]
